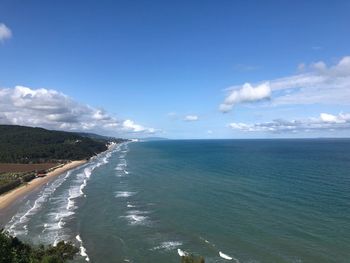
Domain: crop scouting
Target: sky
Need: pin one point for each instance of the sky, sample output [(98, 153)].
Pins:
[(177, 69)]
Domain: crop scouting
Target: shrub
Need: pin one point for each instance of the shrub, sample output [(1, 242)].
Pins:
[(12, 250)]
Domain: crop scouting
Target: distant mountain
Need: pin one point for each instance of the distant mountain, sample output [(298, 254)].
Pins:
[(21, 144), (98, 137), (153, 139)]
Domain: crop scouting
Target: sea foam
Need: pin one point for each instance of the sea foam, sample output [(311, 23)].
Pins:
[(14, 226), (124, 194), (227, 257), (168, 245), (181, 252), (135, 219), (82, 248)]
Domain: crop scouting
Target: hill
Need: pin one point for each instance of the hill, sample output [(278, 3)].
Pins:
[(102, 138), (153, 139), (20, 144)]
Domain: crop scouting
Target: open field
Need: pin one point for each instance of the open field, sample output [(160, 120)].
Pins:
[(11, 196), (23, 168)]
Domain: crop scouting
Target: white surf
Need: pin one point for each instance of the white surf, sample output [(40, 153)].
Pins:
[(225, 256)]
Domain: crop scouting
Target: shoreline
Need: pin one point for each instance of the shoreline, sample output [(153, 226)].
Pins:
[(9, 198)]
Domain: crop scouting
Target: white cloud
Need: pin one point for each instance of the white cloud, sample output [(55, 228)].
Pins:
[(131, 126), (54, 110), (247, 93), (319, 66), (324, 122), (191, 118), (5, 32), (325, 117), (318, 84), (209, 131)]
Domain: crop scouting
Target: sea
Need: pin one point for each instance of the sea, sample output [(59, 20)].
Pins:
[(226, 200)]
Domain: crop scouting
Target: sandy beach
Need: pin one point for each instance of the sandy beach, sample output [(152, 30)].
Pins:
[(10, 197)]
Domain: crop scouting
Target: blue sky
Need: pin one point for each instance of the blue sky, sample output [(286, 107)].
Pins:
[(177, 69)]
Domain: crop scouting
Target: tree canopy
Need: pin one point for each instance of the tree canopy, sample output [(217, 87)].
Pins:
[(12, 250), (20, 144)]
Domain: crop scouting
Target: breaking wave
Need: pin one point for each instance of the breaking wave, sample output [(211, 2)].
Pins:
[(82, 248), (55, 204), (124, 194), (168, 245)]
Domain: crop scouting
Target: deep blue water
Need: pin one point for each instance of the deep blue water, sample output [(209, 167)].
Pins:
[(254, 200)]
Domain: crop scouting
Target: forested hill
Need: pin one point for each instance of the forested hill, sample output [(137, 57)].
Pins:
[(20, 144)]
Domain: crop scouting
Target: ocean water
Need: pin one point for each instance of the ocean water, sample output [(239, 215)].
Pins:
[(251, 200)]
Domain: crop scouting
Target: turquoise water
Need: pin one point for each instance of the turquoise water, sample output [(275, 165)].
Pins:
[(254, 200)]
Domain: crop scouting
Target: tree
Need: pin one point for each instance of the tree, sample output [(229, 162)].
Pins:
[(12, 250)]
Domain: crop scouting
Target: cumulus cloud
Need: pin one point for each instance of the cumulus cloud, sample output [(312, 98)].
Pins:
[(247, 93), (5, 32), (329, 118), (131, 126), (54, 110), (324, 122), (191, 118), (318, 83)]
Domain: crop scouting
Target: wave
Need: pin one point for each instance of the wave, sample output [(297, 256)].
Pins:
[(221, 254), (88, 171), (76, 190), (106, 157), (181, 252), (135, 219), (82, 179), (14, 225), (136, 212), (225, 256), (121, 166), (55, 207), (122, 161), (82, 187), (60, 223), (82, 249), (168, 245), (124, 194)]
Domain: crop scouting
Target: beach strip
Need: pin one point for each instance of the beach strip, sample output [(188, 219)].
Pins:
[(10, 197)]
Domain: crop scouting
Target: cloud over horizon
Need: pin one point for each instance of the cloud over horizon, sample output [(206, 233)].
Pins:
[(54, 110), (322, 123), (316, 84), (5, 32)]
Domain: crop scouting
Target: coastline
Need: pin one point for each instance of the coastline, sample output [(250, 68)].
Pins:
[(7, 199)]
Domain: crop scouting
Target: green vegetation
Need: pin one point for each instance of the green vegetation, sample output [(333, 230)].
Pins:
[(12, 250), (101, 138), (19, 144), (33, 147), (9, 177), (9, 181)]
